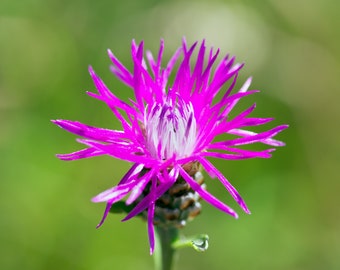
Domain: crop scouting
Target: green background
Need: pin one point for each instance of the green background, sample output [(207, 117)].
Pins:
[(291, 48)]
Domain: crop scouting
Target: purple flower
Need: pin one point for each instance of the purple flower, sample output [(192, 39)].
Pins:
[(167, 127)]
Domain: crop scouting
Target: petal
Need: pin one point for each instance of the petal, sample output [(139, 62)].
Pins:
[(120, 70), (256, 137), (106, 212), (246, 133), (206, 195), (139, 188), (170, 66), (212, 171), (90, 132), (132, 172), (151, 231), (151, 213), (242, 153), (154, 194), (123, 151), (227, 100), (115, 197), (84, 153), (113, 193), (243, 89), (112, 101)]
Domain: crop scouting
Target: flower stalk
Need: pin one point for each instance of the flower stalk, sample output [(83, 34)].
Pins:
[(165, 252)]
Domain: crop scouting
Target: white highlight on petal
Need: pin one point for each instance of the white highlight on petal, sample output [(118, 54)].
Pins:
[(170, 129)]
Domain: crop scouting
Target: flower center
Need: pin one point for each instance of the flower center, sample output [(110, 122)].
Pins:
[(170, 130)]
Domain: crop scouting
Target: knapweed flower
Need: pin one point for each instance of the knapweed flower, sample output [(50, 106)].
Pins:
[(169, 128)]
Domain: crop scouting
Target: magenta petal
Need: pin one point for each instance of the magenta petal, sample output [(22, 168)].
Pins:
[(151, 231), (139, 188), (246, 133), (116, 196), (260, 137), (142, 205), (133, 171), (113, 193), (263, 154), (206, 195), (85, 153), (119, 70), (121, 151), (214, 172), (106, 212), (240, 152), (90, 132), (151, 212), (243, 89)]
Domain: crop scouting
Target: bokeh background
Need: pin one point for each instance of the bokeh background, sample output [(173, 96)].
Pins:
[(291, 48)]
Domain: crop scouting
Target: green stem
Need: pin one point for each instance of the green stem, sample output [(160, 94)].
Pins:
[(164, 252)]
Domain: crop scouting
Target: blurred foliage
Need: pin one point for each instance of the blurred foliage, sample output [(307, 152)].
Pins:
[(291, 48)]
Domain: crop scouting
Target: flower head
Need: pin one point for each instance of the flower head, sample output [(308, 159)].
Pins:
[(169, 126)]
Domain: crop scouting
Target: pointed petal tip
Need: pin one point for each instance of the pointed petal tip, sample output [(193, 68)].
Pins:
[(57, 121), (111, 54), (91, 71), (247, 211), (102, 220), (91, 94), (125, 219), (244, 207), (95, 199), (65, 124), (249, 80), (203, 44), (64, 157), (235, 215), (279, 129)]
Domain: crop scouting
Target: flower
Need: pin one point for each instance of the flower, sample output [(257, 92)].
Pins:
[(166, 128)]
